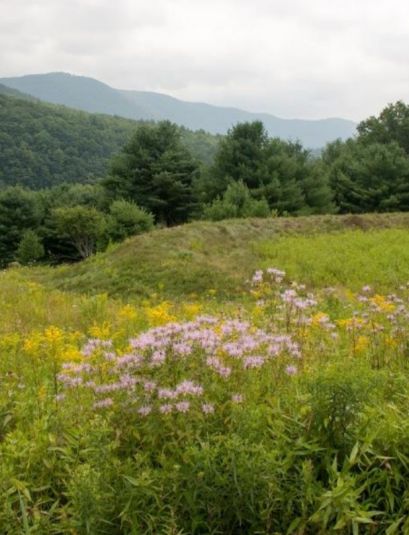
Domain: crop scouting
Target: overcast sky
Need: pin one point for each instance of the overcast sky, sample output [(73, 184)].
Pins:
[(292, 58)]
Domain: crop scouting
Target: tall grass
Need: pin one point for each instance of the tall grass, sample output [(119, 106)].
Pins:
[(190, 261)]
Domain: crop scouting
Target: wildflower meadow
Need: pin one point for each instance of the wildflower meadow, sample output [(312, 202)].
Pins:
[(283, 410)]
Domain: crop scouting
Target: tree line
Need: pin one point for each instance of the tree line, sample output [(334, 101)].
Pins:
[(156, 180)]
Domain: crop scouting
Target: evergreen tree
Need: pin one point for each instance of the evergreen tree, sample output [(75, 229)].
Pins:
[(286, 163), (20, 210), (155, 171), (241, 156), (392, 125), (318, 194), (280, 172), (368, 177)]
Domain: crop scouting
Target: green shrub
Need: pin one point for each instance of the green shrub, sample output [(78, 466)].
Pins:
[(236, 202), (127, 219), (30, 248)]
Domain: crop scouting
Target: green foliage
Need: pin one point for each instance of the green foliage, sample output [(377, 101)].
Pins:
[(371, 172), (241, 156), (155, 171), (336, 399), (368, 178), (65, 195), (318, 193), (43, 145), (83, 227), (392, 125), (236, 202), (127, 219), (38, 232), (281, 172), (57, 246), (20, 210), (30, 248)]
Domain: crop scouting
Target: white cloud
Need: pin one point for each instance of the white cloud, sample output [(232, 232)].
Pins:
[(293, 58)]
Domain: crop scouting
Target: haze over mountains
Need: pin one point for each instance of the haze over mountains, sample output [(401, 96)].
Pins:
[(92, 95)]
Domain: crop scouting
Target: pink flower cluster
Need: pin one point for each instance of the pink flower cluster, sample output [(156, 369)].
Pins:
[(177, 367)]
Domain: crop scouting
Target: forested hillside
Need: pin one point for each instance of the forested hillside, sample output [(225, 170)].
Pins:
[(43, 145), (9, 91)]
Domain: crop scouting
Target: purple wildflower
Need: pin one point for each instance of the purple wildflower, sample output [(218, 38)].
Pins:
[(182, 406), (103, 403), (207, 408)]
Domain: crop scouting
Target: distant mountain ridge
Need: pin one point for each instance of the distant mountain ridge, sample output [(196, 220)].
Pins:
[(91, 95)]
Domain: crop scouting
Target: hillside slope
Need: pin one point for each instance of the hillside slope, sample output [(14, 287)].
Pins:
[(10, 92), (94, 96), (42, 145), (205, 259)]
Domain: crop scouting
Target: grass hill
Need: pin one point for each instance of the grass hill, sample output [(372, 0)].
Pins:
[(42, 145), (205, 259), (94, 96)]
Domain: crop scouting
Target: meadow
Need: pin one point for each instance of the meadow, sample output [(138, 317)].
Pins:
[(243, 377)]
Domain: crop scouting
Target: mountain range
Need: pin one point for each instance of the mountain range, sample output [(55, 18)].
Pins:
[(91, 95)]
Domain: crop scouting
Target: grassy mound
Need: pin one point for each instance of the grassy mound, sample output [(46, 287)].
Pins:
[(200, 258)]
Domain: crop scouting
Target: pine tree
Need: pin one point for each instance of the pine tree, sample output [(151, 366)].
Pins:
[(370, 177), (155, 171), (240, 156), (20, 211)]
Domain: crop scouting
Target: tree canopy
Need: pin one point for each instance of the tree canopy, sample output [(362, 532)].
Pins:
[(157, 172), (392, 125), (282, 173), (43, 145)]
